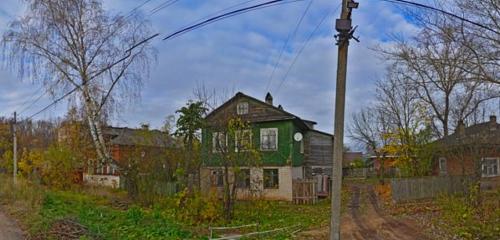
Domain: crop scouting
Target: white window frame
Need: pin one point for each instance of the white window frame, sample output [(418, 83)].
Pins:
[(483, 165), (242, 108), (443, 170), (215, 138), (277, 184), (262, 131), (236, 139)]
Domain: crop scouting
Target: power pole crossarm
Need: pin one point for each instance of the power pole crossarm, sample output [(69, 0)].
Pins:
[(344, 27)]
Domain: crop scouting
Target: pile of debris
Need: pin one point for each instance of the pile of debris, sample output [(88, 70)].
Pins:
[(66, 229)]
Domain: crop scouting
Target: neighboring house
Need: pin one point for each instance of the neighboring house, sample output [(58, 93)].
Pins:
[(290, 148), (124, 144), (385, 165), (350, 159), (473, 150)]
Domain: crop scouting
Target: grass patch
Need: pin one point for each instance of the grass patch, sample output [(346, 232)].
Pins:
[(468, 222), (39, 209)]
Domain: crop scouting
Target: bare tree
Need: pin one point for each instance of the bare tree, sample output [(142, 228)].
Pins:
[(368, 128), (483, 44), (77, 44), (437, 65)]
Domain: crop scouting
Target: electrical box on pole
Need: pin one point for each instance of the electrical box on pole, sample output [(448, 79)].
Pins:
[(345, 32)]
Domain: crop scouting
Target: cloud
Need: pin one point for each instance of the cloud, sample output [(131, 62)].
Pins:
[(239, 54)]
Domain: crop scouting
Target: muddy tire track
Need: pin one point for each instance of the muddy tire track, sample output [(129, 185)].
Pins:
[(365, 231)]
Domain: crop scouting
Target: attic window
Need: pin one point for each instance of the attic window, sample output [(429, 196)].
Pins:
[(242, 108)]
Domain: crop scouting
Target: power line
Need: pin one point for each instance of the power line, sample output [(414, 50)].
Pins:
[(128, 15), (305, 44), (226, 15), (127, 54), (218, 12), (420, 5), (131, 13), (290, 37), (183, 31), (162, 6)]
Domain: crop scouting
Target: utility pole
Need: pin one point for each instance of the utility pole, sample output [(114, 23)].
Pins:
[(345, 32), (14, 126)]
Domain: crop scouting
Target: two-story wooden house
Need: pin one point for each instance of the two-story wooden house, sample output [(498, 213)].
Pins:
[(289, 148)]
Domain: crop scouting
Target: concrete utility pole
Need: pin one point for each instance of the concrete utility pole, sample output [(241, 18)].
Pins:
[(344, 27), (14, 126)]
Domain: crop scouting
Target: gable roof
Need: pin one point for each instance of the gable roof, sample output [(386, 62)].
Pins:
[(138, 137), (305, 124), (487, 131)]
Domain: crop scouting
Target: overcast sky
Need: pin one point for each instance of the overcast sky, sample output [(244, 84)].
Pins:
[(238, 54)]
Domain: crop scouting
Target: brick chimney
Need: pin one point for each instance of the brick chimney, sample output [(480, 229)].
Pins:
[(269, 99), (493, 122)]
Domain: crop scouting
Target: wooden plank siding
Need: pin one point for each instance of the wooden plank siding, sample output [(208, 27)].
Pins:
[(318, 149)]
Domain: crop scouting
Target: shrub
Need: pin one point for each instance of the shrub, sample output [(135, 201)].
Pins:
[(194, 208)]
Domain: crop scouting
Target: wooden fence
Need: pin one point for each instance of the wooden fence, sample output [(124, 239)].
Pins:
[(404, 189), (304, 191), (355, 172)]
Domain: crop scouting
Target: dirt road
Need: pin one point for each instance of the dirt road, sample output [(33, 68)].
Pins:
[(8, 229), (364, 219), (368, 221)]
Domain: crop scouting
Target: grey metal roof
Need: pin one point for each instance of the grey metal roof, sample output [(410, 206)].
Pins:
[(138, 137)]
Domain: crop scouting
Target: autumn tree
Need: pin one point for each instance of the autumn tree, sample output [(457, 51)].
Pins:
[(76, 44), (232, 149), (5, 145)]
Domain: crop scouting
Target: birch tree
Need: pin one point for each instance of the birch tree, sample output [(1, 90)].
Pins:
[(76, 44)]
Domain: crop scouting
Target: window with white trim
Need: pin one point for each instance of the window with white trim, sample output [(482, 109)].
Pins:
[(219, 141), (271, 178), (243, 140), (269, 139), (442, 166), (242, 108), (489, 167)]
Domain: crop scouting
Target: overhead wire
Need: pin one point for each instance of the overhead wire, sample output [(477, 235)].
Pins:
[(305, 44), (128, 15), (421, 5), (290, 37), (162, 6), (226, 15), (180, 32)]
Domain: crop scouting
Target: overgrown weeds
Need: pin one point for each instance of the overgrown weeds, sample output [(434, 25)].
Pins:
[(472, 222)]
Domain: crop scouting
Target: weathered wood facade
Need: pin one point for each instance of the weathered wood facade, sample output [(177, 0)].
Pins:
[(291, 158)]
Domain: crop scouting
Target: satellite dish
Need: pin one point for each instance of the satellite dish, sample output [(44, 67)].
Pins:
[(297, 137)]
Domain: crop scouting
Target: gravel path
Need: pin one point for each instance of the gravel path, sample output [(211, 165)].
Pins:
[(9, 229)]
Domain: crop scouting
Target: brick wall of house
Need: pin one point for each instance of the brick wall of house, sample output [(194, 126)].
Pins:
[(454, 167)]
